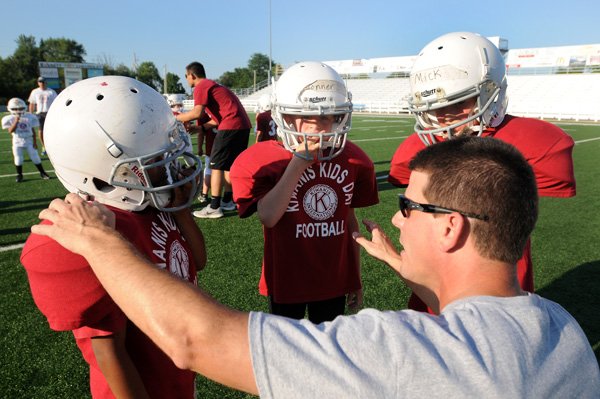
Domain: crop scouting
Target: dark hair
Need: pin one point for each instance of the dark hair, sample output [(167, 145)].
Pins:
[(485, 176), (197, 69)]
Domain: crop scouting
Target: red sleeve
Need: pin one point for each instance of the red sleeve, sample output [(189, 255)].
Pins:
[(254, 173), (201, 92), (554, 171), (399, 171), (549, 151), (64, 287)]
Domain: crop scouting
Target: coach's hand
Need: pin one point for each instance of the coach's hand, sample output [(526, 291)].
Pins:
[(76, 223), (380, 246)]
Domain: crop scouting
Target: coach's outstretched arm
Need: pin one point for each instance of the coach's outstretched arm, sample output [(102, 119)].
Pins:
[(203, 335)]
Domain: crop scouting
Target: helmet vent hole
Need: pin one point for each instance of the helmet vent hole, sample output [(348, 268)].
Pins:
[(99, 97), (133, 90), (441, 47), (69, 101)]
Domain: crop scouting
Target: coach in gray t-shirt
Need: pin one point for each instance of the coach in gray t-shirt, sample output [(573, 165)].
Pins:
[(467, 213)]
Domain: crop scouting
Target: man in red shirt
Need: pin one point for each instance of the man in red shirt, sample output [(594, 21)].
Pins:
[(233, 131), (458, 87), (94, 153), (304, 191)]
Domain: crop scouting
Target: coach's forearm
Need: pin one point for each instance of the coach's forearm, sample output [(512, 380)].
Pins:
[(190, 327)]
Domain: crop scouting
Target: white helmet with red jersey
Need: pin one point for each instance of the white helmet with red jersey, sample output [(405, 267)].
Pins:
[(106, 136), (16, 106), (453, 68), (312, 89), (264, 103)]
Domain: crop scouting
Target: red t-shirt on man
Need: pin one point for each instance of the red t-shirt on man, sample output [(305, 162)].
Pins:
[(222, 105)]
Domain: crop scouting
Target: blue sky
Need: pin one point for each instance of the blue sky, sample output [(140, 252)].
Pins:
[(223, 34)]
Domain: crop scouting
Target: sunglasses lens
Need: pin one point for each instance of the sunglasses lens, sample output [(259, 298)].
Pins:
[(402, 204)]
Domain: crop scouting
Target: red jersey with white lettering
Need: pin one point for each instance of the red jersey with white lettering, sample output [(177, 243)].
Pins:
[(222, 105), (547, 148), (309, 254), (266, 126), (68, 293)]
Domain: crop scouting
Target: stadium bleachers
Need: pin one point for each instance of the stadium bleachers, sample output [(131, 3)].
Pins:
[(557, 96)]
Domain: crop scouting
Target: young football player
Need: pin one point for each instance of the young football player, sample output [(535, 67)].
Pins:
[(304, 191), (458, 88), (21, 126), (266, 129), (114, 140)]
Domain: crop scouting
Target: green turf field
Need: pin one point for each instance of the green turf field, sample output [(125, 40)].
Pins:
[(38, 363)]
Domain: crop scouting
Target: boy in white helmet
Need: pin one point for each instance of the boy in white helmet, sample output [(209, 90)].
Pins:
[(304, 191), (21, 126), (114, 140), (458, 88)]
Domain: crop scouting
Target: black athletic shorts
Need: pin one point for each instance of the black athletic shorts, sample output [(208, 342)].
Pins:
[(227, 146), (41, 119)]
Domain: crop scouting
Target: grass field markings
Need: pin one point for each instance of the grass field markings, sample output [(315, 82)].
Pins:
[(584, 141), (380, 139), (26, 173), (11, 247)]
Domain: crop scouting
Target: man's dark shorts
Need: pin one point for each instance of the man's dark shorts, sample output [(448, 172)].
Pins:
[(227, 146)]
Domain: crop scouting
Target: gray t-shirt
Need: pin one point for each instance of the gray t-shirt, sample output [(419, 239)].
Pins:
[(479, 347)]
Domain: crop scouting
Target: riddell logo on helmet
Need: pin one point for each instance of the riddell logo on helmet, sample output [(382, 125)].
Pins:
[(317, 99), (427, 93), (139, 174)]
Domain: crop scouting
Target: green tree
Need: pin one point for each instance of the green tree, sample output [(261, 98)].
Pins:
[(61, 50), (148, 73), (120, 70), (173, 84), (259, 63), (242, 78)]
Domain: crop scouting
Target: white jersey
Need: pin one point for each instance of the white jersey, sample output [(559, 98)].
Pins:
[(42, 99), (23, 134)]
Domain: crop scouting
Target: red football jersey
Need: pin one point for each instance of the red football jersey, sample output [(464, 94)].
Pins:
[(222, 105), (67, 292), (546, 147), (309, 253), (266, 125)]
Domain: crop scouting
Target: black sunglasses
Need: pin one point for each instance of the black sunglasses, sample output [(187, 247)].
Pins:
[(406, 205)]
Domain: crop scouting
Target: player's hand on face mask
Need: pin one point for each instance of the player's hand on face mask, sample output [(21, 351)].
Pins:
[(72, 218), (308, 149)]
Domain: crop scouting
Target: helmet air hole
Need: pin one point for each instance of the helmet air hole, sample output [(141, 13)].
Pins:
[(99, 97), (69, 101), (133, 90)]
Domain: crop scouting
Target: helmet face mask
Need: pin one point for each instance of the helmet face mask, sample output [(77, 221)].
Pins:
[(16, 106), (116, 140), (452, 69), (312, 89)]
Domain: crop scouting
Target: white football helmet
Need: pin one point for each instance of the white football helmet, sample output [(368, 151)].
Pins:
[(175, 101), (264, 103), (312, 88), (451, 69), (16, 106), (112, 137)]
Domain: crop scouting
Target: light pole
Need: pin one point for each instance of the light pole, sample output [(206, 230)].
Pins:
[(270, 47)]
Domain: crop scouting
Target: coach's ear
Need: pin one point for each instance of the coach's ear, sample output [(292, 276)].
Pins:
[(453, 230)]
